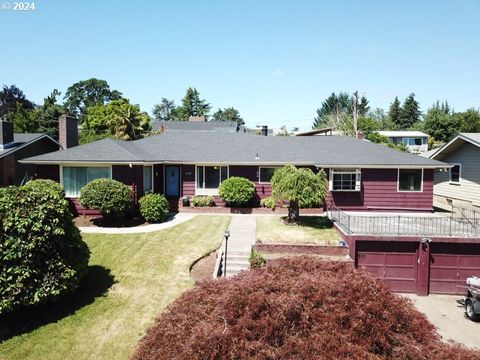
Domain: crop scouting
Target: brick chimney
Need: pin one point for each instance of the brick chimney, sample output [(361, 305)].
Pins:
[(360, 135), (67, 131), (6, 134), (196, 118)]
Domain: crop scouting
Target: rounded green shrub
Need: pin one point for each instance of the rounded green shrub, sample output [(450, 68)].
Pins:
[(237, 191), (154, 208), (203, 201), (111, 197), (42, 252), (269, 202)]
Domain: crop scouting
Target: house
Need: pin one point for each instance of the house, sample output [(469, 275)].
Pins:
[(14, 147), (460, 185), (362, 175), (195, 125), (415, 141)]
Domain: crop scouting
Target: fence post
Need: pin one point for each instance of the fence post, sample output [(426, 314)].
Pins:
[(349, 231), (450, 227), (398, 231)]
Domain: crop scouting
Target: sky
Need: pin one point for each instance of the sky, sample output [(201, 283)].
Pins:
[(275, 61)]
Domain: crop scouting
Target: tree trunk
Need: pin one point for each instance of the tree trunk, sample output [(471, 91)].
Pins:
[(293, 212)]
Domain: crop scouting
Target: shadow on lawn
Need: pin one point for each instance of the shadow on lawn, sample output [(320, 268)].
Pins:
[(95, 284), (315, 222)]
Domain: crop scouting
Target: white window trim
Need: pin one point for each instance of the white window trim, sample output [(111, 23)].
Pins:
[(265, 167), (208, 192), (459, 182), (153, 186), (358, 182), (83, 165), (409, 191)]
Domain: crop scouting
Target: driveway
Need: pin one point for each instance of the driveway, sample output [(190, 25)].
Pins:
[(449, 318)]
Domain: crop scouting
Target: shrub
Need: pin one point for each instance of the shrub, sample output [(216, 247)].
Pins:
[(237, 191), (204, 201), (42, 253), (295, 308), (257, 260), (154, 208), (269, 202), (111, 197)]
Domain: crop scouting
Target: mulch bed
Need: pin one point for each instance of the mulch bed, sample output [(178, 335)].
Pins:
[(203, 269), (98, 221)]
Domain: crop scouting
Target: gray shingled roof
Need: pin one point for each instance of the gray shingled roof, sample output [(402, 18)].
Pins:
[(239, 148), (452, 145), (21, 139)]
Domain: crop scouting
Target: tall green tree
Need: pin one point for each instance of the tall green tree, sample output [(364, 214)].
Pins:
[(49, 114), (410, 113), (334, 104), (192, 105), (468, 121), (86, 93), (165, 110), (300, 187), (395, 112), (440, 122), (24, 120), (118, 119), (12, 97), (228, 114)]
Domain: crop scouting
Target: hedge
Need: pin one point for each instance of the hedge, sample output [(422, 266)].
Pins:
[(154, 208), (237, 191), (42, 255)]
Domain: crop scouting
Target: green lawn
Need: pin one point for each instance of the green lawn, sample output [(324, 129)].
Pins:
[(132, 278), (310, 230)]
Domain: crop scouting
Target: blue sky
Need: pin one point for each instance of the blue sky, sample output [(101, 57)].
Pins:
[(275, 61)]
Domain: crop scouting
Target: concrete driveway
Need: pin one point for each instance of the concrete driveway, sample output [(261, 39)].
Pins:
[(449, 318)]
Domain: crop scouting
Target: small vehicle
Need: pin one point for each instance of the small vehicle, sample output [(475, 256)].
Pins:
[(472, 299)]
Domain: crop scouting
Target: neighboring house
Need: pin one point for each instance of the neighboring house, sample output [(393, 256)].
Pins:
[(415, 141), (196, 125), (460, 185), (14, 147), (362, 175)]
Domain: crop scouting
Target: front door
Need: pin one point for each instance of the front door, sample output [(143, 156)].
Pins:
[(172, 181)]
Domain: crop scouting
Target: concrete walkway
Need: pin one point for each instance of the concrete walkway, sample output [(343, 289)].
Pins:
[(242, 236), (177, 219)]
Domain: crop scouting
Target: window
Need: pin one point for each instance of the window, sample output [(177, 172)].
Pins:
[(209, 179), (455, 173), (74, 178), (147, 179), (413, 141), (265, 174), (410, 180), (345, 179)]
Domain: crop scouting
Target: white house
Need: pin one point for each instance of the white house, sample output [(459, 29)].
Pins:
[(416, 141)]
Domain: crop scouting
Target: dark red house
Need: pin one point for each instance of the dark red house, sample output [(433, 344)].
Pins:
[(362, 175)]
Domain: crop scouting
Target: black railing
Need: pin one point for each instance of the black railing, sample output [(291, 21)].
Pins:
[(400, 225)]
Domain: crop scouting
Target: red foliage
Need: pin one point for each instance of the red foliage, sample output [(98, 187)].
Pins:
[(296, 308)]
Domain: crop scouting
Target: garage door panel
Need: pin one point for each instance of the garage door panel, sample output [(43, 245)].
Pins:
[(398, 259), (451, 265), (397, 269), (407, 286)]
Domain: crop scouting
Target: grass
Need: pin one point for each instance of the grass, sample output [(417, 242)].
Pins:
[(132, 278), (310, 230)]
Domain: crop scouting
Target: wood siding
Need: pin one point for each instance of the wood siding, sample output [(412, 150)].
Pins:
[(468, 191), (187, 179), (47, 172), (379, 191)]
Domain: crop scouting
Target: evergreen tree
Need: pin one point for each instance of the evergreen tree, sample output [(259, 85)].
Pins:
[(410, 113), (440, 122), (394, 113), (468, 121), (335, 104), (364, 108), (192, 105), (165, 110), (10, 98)]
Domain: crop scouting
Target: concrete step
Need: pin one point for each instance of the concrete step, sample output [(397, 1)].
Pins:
[(238, 258), (236, 252), (240, 263)]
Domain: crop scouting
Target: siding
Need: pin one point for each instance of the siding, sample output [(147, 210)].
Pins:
[(379, 191), (469, 189), (129, 176), (188, 180), (47, 172), (158, 179)]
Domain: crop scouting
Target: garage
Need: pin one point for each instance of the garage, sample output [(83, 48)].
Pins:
[(450, 265), (395, 263)]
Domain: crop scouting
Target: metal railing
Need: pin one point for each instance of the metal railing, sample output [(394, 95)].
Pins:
[(400, 225)]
